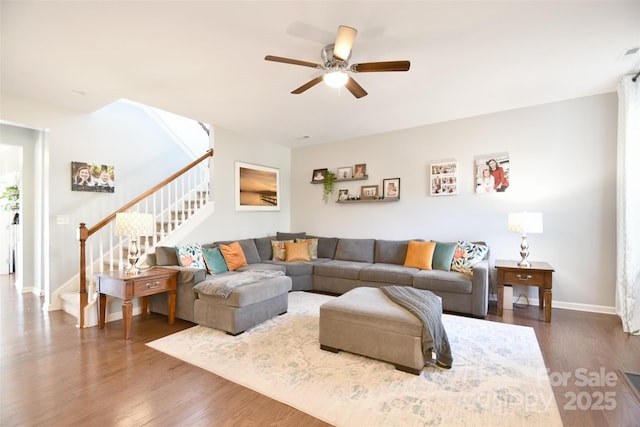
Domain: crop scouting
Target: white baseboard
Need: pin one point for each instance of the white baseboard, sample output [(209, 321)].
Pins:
[(602, 309)]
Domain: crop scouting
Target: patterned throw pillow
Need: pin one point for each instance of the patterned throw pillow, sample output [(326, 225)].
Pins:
[(214, 260), (190, 255), (312, 246), (278, 250), (466, 256)]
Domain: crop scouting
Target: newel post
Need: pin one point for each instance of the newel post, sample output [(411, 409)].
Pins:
[(83, 235)]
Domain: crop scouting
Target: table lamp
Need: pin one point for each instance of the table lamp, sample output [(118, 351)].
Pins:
[(525, 222), (133, 225)]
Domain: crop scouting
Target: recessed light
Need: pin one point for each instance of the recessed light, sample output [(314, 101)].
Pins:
[(78, 92), (304, 137)]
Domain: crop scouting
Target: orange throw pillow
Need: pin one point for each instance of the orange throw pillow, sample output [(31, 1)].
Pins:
[(233, 255), (420, 255), (297, 251)]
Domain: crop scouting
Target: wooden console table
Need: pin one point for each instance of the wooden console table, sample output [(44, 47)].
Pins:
[(539, 274), (120, 285)]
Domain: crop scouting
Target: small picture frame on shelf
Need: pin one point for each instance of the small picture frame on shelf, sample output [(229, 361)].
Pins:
[(343, 195), (345, 172), (391, 188), (318, 175), (368, 192), (360, 170)]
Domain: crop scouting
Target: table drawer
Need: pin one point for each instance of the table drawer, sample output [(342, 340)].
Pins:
[(150, 285), (530, 278)]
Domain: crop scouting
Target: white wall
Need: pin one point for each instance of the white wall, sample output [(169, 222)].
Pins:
[(226, 223), (562, 158)]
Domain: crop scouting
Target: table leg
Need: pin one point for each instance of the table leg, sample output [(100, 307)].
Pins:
[(127, 314), (500, 298), (541, 301), (547, 303), (171, 295), (145, 305), (102, 305)]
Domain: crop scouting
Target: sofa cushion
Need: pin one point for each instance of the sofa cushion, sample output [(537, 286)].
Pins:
[(443, 255), (233, 255), (467, 255), (360, 250), (391, 251), (190, 255), (214, 260), (326, 246), (263, 246), (267, 265), (166, 255), (340, 269), (392, 274), (445, 281), (248, 248), (290, 236), (297, 251), (419, 255)]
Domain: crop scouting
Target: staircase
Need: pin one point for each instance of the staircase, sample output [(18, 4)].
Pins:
[(173, 202)]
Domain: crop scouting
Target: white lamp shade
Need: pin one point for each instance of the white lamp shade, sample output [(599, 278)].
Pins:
[(335, 79), (525, 222), (134, 224)]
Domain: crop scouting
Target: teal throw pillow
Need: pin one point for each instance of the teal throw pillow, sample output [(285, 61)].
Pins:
[(214, 260), (443, 255)]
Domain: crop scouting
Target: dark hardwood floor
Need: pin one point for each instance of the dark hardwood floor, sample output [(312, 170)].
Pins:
[(53, 374)]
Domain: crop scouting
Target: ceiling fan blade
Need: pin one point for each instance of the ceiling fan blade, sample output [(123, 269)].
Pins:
[(291, 61), (344, 42), (369, 67), (355, 88), (308, 85)]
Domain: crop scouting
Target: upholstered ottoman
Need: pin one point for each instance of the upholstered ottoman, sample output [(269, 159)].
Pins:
[(245, 307), (366, 322)]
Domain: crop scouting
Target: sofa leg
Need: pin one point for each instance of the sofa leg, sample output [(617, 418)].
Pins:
[(327, 348), (284, 312), (236, 334)]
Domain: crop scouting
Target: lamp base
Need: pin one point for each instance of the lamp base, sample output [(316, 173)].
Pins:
[(524, 252), (133, 259)]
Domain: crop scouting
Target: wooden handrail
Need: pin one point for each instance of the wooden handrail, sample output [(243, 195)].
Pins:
[(147, 193), (84, 232)]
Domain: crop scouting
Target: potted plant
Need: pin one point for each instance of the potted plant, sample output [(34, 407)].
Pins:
[(10, 197), (327, 185)]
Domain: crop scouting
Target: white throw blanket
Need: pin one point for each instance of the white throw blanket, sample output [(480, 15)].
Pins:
[(222, 285)]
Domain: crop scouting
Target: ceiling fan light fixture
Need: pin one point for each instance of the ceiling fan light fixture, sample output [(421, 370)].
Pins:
[(335, 79)]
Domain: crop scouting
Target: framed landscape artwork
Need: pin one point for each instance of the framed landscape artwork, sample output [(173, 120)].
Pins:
[(257, 188), (443, 179)]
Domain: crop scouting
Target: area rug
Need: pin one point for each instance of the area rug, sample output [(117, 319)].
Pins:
[(498, 376)]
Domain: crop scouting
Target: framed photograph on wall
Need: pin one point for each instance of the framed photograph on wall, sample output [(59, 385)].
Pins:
[(443, 179), (345, 172), (257, 188), (391, 188), (360, 170), (368, 192), (318, 175), (343, 194), (93, 177), (491, 173)]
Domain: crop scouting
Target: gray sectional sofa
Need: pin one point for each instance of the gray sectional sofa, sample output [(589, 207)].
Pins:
[(342, 264)]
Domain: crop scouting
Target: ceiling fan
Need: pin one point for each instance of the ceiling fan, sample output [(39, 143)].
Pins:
[(335, 64)]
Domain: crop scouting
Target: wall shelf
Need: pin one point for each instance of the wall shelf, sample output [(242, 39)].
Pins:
[(368, 201), (344, 180)]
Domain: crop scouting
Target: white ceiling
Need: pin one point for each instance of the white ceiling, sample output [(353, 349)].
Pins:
[(205, 59)]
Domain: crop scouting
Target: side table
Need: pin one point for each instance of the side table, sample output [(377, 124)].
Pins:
[(127, 287), (538, 274)]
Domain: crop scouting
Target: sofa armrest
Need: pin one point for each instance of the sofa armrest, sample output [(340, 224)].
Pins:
[(187, 275), (480, 289)]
